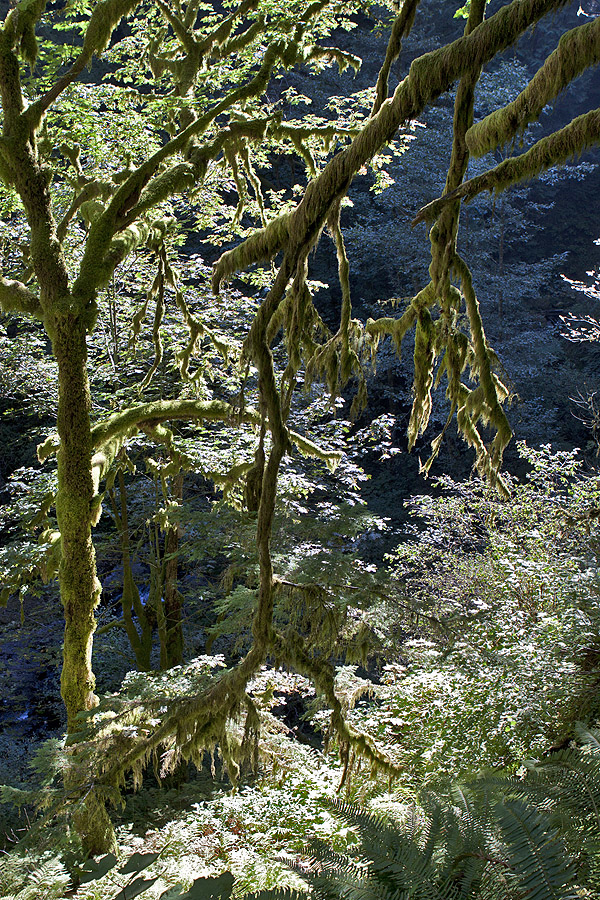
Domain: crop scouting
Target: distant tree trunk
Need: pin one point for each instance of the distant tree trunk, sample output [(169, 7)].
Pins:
[(141, 642), (173, 649)]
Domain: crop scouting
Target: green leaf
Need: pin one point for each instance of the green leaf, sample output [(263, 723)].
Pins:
[(94, 870), (137, 862)]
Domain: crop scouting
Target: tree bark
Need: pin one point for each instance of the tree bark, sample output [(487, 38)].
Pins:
[(172, 598)]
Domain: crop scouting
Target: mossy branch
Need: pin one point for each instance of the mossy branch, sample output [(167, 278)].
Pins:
[(182, 32), (104, 18), (578, 50), (241, 40), (93, 190), (93, 273), (130, 420), (429, 76), (108, 435), (290, 649), (341, 57), (193, 725), (397, 328), (218, 37), (554, 150), (16, 298), (400, 29)]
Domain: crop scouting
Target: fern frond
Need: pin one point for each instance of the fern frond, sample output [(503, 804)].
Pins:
[(277, 893), (588, 737), (536, 854)]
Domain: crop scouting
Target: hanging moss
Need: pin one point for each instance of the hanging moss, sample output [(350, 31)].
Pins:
[(105, 16), (429, 76), (578, 50), (424, 357), (263, 244), (19, 28), (401, 28), (15, 297)]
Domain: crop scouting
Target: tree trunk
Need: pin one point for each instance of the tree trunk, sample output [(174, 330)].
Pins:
[(79, 585), (141, 643), (172, 597)]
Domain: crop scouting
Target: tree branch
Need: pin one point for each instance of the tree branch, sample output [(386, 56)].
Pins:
[(577, 50), (554, 150), (400, 29), (430, 75), (104, 18), (16, 298), (115, 217)]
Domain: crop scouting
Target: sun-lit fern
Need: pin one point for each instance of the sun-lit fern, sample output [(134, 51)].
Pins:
[(498, 838)]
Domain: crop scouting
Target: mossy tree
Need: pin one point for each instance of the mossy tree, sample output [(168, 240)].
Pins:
[(219, 122), (123, 210)]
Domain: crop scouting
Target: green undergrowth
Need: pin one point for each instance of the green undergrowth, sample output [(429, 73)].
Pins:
[(199, 829), (488, 651)]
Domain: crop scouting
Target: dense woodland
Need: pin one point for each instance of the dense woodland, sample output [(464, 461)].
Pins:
[(299, 560)]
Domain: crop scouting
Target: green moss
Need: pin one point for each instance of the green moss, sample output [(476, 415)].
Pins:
[(578, 50)]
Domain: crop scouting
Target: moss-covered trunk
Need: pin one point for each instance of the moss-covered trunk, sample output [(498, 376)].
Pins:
[(79, 587), (173, 650), (66, 324)]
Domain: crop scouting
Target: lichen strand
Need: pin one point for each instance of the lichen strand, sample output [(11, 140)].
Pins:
[(578, 50)]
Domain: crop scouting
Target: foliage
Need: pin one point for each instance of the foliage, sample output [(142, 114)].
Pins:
[(536, 836), (499, 641), (200, 828), (104, 186)]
